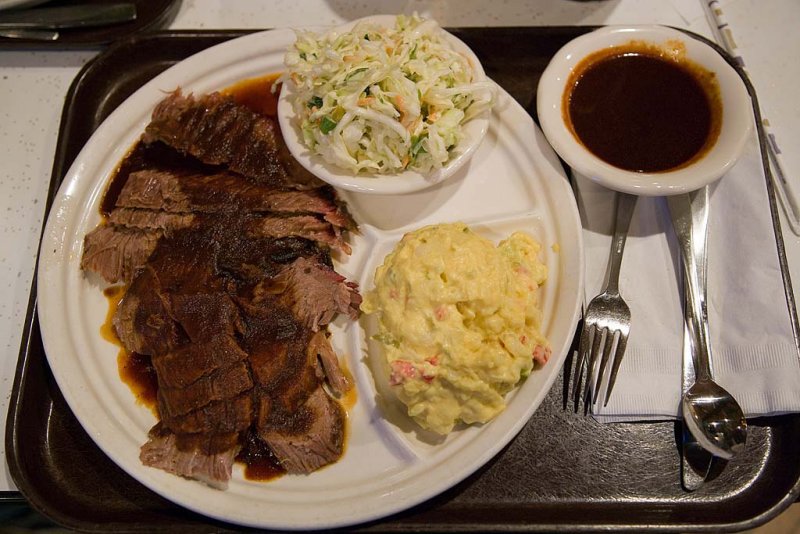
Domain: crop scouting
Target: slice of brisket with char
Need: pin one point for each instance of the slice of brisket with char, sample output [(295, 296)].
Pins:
[(188, 363), (117, 253), (304, 431), (143, 321), (222, 385), (200, 457), (314, 292), (231, 415), (144, 219), (205, 316), (251, 259), (308, 438), (305, 226), (177, 191), (218, 131)]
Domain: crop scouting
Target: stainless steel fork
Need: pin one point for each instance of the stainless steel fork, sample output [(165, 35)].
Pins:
[(606, 319)]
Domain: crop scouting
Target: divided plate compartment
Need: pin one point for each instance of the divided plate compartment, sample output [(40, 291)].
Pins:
[(562, 472)]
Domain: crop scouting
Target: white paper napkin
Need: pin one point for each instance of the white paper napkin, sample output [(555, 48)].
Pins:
[(754, 353)]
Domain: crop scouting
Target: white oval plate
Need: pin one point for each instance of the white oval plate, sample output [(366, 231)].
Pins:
[(403, 182), (514, 182)]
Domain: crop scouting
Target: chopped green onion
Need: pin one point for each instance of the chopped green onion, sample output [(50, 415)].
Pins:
[(315, 102), (416, 145), (327, 125)]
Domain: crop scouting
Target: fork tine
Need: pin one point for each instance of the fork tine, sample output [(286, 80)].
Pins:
[(580, 365), (618, 354), (609, 344), (596, 339)]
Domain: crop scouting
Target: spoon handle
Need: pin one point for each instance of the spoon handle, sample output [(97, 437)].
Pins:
[(691, 228)]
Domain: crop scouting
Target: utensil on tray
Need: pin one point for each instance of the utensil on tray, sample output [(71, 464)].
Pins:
[(72, 16), (606, 319), (36, 35), (695, 460), (712, 415)]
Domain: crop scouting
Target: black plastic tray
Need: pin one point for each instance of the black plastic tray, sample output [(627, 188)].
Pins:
[(563, 471), (150, 15)]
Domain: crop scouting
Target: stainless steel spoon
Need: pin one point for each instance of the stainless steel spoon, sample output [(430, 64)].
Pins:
[(712, 415), (696, 462)]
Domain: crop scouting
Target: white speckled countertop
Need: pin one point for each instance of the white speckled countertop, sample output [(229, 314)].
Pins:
[(33, 86)]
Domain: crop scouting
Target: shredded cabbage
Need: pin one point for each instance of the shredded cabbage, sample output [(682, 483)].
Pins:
[(383, 100)]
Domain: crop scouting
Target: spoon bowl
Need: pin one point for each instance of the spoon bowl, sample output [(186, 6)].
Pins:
[(715, 419)]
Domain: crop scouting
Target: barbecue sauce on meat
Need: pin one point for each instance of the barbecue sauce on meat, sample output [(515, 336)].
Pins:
[(136, 370)]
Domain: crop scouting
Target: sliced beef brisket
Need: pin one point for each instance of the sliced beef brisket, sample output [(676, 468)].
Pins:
[(143, 321), (188, 363), (307, 438), (176, 191), (314, 291), (164, 450), (231, 415), (146, 219), (231, 284), (305, 226), (331, 370), (218, 131), (222, 385), (117, 253)]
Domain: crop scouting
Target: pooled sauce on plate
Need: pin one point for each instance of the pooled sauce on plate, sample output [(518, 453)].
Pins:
[(643, 109), (259, 461), (256, 94), (134, 369)]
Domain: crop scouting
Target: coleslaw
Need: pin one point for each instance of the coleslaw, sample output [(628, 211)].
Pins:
[(380, 100)]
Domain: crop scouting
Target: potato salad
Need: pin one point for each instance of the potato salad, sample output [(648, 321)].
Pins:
[(459, 322)]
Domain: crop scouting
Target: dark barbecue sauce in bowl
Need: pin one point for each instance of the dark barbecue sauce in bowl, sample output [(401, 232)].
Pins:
[(641, 109)]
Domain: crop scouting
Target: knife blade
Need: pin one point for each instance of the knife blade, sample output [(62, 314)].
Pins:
[(75, 16), (695, 461)]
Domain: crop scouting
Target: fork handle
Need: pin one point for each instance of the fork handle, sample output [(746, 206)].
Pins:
[(625, 206)]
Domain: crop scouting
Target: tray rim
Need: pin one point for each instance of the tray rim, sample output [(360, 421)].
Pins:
[(60, 166)]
